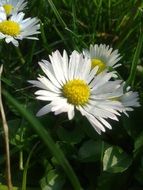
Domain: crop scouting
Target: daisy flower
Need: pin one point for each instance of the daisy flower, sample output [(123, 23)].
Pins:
[(129, 100), (17, 28), (70, 84), (103, 56), (13, 6)]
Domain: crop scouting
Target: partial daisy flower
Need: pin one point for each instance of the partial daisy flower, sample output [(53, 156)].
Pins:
[(103, 56), (13, 6), (17, 28), (71, 84), (129, 100)]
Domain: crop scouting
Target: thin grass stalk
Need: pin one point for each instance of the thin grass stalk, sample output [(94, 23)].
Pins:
[(21, 58), (47, 139), (57, 14), (129, 22), (43, 36), (6, 138), (131, 78), (24, 180)]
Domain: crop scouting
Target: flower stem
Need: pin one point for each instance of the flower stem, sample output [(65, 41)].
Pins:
[(22, 60)]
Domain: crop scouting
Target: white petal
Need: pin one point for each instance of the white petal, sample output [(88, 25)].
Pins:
[(56, 60), (48, 84), (71, 112), (105, 123), (2, 14), (15, 42), (38, 84), (92, 119), (73, 64), (46, 93), (44, 110), (9, 39), (2, 35), (45, 68)]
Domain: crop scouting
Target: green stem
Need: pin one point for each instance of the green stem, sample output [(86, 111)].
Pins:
[(20, 55), (43, 36), (21, 160), (47, 139), (26, 168), (57, 14)]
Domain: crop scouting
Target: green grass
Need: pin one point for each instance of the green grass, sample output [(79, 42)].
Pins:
[(69, 154)]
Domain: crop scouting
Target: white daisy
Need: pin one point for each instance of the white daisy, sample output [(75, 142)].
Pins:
[(129, 100), (103, 56), (13, 6), (17, 28), (71, 84)]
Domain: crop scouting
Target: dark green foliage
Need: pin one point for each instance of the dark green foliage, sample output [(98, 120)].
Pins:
[(111, 161)]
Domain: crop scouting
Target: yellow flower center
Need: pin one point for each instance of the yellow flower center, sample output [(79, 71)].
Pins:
[(99, 63), (76, 91), (115, 99), (8, 8), (9, 27)]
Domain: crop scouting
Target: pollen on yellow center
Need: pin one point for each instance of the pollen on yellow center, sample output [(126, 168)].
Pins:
[(99, 63), (8, 8), (76, 91), (10, 28)]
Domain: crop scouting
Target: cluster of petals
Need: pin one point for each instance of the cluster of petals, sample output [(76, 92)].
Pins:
[(85, 81), (13, 6), (106, 99), (13, 25)]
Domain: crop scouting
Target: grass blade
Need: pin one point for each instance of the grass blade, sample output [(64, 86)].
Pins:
[(26, 168), (6, 138), (47, 139), (57, 14), (132, 75)]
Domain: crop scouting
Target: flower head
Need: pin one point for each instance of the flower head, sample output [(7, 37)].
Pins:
[(129, 100), (17, 28), (103, 56), (13, 6), (71, 84)]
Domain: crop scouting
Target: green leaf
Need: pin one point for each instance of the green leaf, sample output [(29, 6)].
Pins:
[(133, 123), (19, 133), (138, 144), (47, 139), (13, 126), (68, 149), (139, 175), (71, 136), (52, 181), (109, 181), (91, 151), (115, 160), (4, 187)]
